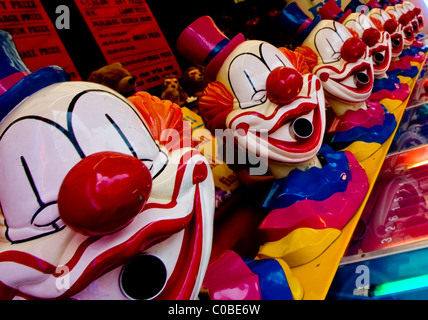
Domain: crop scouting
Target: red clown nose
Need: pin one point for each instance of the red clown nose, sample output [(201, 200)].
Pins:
[(390, 26), (283, 85), (103, 193), (353, 49), (371, 36)]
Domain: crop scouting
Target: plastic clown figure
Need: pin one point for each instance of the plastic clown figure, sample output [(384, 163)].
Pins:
[(375, 27), (403, 66), (92, 206), (384, 21), (369, 26), (342, 62), (273, 107), (389, 86), (390, 24), (377, 40), (418, 16), (417, 23), (408, 17)]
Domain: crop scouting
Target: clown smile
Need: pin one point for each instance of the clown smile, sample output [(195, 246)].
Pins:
[(397, 43), (381, 59), (358, 79), (300, 134), (352, 84), (293, 129)]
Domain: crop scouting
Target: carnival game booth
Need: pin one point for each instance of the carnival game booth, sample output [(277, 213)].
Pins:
[(257, 195), (334, 100)]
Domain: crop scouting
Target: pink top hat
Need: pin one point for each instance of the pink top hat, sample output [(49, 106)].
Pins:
[(203, 43)]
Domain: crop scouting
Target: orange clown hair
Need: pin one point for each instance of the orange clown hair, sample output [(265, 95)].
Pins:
[(161, 117), (377, 23), (309, 56), (297, 59), (215, 104)]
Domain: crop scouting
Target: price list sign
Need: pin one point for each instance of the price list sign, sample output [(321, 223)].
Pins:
[(35, 36), (127, 32)]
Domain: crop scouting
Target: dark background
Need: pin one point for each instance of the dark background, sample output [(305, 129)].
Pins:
[(253, 18)]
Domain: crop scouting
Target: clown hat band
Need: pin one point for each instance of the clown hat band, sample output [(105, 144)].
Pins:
[(203, 43)]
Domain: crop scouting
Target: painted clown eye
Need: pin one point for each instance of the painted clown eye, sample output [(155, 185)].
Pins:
[(248, 75), (329, 42), (143, 278), (249, 72)]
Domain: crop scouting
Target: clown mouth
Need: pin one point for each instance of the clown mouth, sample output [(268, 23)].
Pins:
[(359, 79), (297, 131), (299, 126), (380, 57), (408, 33), (300, 134), (397, 43)]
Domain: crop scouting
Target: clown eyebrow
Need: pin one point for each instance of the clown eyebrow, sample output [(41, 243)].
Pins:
[(122, 135), (280, 59), (31, 181), (249, 80), (332, 47)]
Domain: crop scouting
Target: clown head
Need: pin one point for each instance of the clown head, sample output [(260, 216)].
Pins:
[(409, 9), (257, 91), (389, 23), (378, 40), (93, 207), (418, 14), (405, 20), (342, 63)]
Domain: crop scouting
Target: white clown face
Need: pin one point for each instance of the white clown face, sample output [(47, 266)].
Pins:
[(390, 24), (278, 112), (378, 41), (397, 38), (407, 23), (54, 134), (418, 14), (417, 17), (344, 64)]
